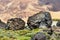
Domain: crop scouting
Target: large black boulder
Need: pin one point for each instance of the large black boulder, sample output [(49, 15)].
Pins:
[(58, 24), (16, 24), (39, 19), (3, 25), (39, 36)]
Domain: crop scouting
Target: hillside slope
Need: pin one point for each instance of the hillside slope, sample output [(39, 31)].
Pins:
[(25, 8)]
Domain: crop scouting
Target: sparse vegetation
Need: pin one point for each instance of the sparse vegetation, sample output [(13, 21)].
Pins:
[(56, 19), (23, 34)]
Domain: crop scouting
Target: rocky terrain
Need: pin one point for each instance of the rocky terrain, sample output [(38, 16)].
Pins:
[(25, 8)]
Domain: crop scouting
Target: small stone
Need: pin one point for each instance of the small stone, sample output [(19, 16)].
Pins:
[(2, 25), (39, 36), (58, 24)]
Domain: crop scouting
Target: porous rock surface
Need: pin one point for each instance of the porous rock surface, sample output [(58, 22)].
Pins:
[(40, 19), (15, 24)]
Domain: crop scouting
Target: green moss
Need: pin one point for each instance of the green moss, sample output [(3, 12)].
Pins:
[(21, 34)]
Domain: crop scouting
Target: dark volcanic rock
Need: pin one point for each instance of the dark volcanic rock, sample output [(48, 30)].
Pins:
[(40, 19), (2, 25), (15, 24), (39, 36), (50, 32), (58, 24)]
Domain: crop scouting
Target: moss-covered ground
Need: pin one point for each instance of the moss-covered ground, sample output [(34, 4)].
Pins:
[(24, 34)]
